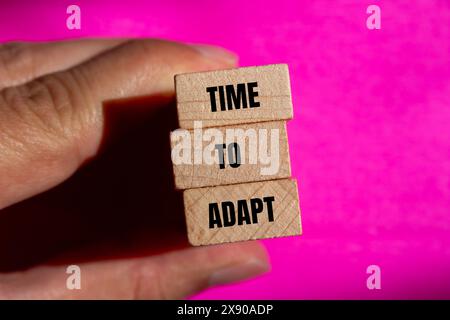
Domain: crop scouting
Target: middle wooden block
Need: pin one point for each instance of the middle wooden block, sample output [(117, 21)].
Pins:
[(231, 154)]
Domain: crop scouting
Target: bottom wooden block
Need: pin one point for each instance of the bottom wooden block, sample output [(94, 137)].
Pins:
[(240, 212)]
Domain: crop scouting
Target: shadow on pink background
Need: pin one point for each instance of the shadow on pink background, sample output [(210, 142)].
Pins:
[(370, 142)]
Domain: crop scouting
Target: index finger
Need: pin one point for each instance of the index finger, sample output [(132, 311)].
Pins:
[(24, 61), (51, 125)]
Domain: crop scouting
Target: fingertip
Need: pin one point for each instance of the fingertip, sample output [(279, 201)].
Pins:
[(248, 260), (251, 250), (218, 54)]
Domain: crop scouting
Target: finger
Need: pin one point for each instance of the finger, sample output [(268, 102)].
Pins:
[(21, 62), (173, 275), (48, 127)]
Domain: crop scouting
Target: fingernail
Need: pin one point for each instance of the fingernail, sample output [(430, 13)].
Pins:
[(217, 53), (239, 272)]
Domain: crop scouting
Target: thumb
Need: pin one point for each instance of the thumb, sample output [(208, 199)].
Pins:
[(173, 275)]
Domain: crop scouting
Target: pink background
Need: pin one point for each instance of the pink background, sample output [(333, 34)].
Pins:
[(370, 142)]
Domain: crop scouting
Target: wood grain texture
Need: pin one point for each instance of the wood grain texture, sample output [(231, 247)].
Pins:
[(286, 212), (252, 167), (274, 96)]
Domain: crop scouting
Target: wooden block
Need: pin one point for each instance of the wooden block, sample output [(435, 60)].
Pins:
[(245, 153), (258, 210), (224, 97)]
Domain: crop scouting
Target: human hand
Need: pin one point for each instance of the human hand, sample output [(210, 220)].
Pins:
[(85, 173)]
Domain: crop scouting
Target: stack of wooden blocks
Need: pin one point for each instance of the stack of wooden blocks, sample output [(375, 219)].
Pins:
[(235, 188)]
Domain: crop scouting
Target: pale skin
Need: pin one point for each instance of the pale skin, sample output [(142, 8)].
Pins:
[(52, 122)]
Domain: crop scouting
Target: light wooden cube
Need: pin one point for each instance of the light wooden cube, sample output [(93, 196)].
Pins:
[(242, 212), (243, 95), (254, 152)]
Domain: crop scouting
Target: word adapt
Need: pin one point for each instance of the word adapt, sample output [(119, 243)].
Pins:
[(240, 212)]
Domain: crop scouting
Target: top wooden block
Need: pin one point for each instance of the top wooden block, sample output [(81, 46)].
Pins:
[(234, 96)]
